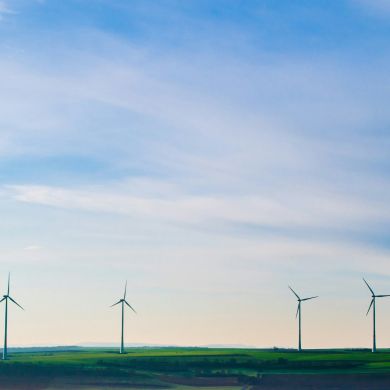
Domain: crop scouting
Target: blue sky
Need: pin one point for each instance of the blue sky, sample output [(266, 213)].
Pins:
[(210, 152)]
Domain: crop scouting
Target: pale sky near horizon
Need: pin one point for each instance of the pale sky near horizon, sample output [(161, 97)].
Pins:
[(211, 153)]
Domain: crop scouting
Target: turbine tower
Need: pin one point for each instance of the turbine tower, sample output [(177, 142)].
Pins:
[(372, 304), (123, 302), (299, 318), (6, 298)]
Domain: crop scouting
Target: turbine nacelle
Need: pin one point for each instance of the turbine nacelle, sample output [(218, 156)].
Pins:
[(7, 296), (123, 300), (373, 296), (299, 299)]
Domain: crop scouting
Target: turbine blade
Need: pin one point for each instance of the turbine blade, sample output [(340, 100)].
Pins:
[(2, 300), (124, 295), (294, 292), (128, 304), (365, 281), (296, 315), (116, 303), (382, 296), (306, 299), (369, 307), (9, 277), (16, 303)]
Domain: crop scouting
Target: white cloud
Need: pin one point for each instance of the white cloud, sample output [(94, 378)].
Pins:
[(379, 7), (32, 248), (294, 210), (5, 9), (133, 114)]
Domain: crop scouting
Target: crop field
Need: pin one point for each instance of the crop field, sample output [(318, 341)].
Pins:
[(186, 368)]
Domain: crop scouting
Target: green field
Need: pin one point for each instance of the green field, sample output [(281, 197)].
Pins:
[(184, 367)]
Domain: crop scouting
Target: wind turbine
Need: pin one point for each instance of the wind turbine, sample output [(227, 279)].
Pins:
[(6, 298), (123, 302), (373, 314), (299, 318)]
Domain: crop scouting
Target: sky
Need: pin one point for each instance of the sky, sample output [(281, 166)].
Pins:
[(211, 153)]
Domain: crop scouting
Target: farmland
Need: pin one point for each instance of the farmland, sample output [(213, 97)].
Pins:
[(185, 368)]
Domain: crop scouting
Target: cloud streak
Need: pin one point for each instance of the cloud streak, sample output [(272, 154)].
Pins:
[(292, 211), (377, 7), (5, 9)]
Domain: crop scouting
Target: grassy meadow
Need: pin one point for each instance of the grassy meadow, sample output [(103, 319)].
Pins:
[(184, 367)]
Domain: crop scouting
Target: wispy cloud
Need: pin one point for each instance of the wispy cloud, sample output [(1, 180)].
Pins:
[(295, 210), (208, 156), (5, 9), (32, 248), (377, 7)]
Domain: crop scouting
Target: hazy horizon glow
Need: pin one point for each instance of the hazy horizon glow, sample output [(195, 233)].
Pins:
[(211, 153)]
